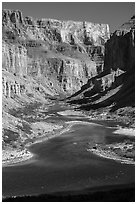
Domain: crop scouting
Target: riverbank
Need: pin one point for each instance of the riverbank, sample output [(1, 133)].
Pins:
[(18, 156), (63, 164), (123, 152), (42, 131), (32, 129), (12, 156)]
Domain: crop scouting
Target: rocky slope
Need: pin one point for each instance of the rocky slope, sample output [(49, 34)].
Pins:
[(114, 87)]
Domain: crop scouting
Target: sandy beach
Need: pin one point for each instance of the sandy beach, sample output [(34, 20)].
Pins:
[(125, 131), (71, 113), (75, 122)]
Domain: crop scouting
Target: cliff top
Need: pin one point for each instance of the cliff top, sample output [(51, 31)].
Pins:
[(52, 30), (8, 14)]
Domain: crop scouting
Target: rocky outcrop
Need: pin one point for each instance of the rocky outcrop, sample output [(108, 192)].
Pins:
[(105, 82), (61, 55)]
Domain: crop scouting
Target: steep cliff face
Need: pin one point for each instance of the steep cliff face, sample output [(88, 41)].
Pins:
[(15, 74), (58, 31), (14, 58), (63, 54), (120, 53), (114, 87), (120, 48)]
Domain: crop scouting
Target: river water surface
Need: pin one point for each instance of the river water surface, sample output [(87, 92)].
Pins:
[(63, 163)]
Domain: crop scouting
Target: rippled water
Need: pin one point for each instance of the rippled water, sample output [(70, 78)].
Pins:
[(63, 163)]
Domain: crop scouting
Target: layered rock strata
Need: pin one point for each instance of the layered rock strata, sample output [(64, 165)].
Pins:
[(63, 55)]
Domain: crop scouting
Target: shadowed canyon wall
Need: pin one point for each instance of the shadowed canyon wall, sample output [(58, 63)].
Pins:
[(115, 85), (120, 48)]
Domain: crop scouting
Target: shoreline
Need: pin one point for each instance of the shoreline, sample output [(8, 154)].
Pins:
[(22, 156), (18, 160), (109, 155), (25, 155)]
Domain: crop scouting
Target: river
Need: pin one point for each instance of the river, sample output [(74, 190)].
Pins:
[(63, 163)]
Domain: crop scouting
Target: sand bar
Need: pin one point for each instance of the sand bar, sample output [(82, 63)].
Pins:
[(125, 131)]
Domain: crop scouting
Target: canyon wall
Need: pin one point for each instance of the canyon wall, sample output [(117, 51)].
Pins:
[(120, 48), (59, 55), (53, 31), (63, 57), (14, 58)]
